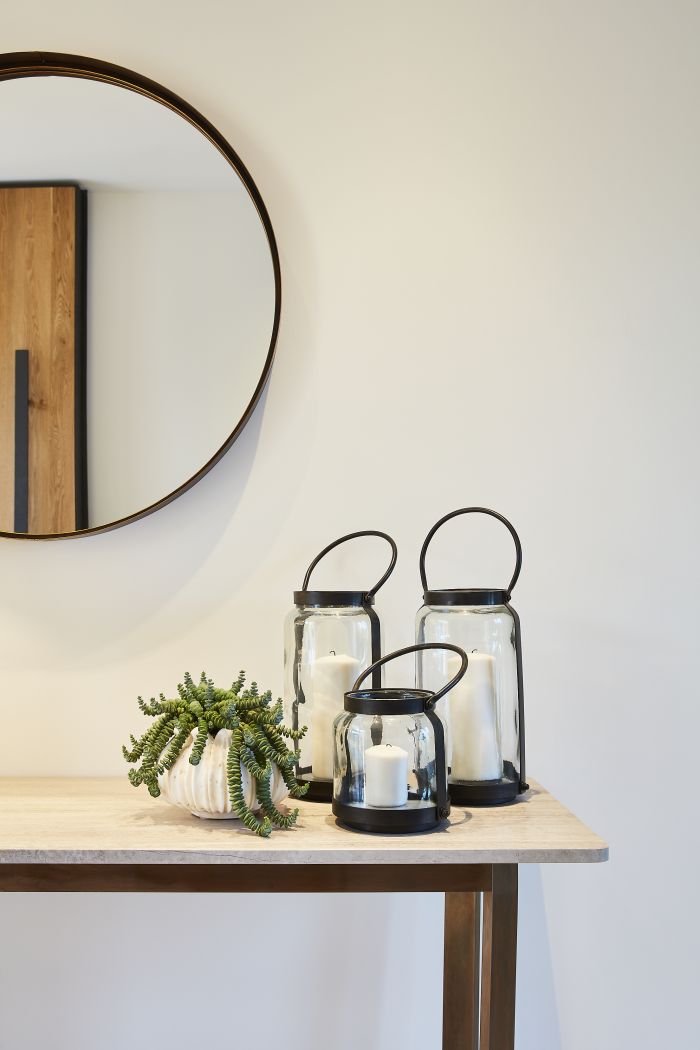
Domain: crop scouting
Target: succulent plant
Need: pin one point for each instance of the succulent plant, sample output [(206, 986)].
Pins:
[(258, 742)]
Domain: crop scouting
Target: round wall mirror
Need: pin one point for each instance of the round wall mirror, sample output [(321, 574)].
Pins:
[(139, 296)]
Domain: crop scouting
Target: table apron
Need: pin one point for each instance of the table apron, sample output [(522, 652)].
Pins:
[(245, 878)]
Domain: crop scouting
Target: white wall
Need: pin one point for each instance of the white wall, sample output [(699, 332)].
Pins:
[(181, 304), (490, 236)]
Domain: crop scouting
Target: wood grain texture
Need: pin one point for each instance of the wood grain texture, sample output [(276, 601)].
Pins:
[(13, 310), (244, 878), (106, 821), (460, 1000), (37, 313), (499, 957)]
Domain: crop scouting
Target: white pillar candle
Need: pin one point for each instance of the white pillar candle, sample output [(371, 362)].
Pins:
[(476, 751), (329, 678), (386, 776), (433, 675)]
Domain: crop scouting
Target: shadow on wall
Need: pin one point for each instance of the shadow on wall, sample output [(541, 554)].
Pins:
[(537, 1020), (63, 592), (300, 972)]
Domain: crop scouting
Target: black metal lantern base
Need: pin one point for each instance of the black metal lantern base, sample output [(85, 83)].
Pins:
[(484, 793), (488, 792), (400, 821), (319, 790)]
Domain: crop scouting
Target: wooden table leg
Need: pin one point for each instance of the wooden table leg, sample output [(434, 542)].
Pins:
[(460, 1002), (500, 936)]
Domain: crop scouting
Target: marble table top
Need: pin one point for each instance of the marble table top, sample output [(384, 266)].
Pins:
[(107, 821)]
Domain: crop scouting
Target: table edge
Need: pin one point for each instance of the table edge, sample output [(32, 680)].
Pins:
[(594, 855)]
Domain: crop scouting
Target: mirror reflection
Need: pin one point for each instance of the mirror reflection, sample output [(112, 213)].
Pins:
[(137, 303)]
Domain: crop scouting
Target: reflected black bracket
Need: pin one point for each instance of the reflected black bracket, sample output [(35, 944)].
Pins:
[(21, 441), (80, 370)]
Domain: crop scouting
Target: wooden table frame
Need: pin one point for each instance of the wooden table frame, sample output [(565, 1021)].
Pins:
[(115, 841), (476, 964)]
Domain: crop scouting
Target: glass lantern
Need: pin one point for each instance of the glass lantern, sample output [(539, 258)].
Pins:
[(484, 715), (329, 637), (390, 768)]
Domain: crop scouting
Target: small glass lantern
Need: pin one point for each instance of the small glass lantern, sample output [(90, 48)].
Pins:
[(329, 637), (484, 715), (390, 770)]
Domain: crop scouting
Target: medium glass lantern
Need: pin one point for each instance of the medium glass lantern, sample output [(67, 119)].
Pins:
[(484, 714), (390, 770), (330, 636)]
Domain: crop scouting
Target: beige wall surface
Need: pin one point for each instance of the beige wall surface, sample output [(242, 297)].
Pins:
[(181, 303), (490, 238)]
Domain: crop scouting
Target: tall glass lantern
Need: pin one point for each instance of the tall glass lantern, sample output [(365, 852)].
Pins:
[(329, 638), (484, 713)]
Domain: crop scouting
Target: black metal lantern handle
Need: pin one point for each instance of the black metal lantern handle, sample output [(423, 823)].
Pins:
[(353, 536), (415, 649), (475, 510)]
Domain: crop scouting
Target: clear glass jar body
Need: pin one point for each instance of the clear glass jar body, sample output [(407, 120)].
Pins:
[(385, 762), (325, 651), (481, 714)]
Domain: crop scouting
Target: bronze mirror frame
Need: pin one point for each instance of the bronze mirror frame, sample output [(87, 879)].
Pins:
[(47, 63)]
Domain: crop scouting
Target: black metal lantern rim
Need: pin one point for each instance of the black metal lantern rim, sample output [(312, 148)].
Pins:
[(467, 596), (390, 821), (333, 599), (387, 701)]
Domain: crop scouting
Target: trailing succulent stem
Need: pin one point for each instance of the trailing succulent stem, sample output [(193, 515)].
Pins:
[(257, 742)]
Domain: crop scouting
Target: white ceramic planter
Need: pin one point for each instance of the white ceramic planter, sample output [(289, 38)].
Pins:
[(203, 789)]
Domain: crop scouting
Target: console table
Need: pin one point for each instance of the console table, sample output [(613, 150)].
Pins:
[(101, 835)]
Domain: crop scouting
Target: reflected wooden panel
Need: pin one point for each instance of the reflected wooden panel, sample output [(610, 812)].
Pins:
[(42, 301)]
